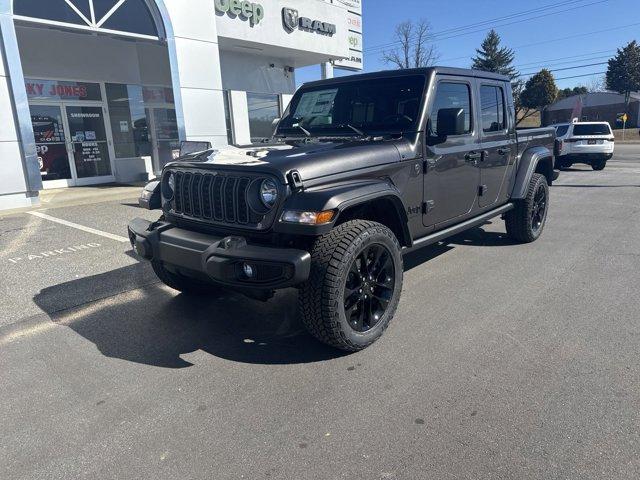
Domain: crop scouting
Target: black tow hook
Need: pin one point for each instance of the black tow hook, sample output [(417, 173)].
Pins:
[(142, 247)]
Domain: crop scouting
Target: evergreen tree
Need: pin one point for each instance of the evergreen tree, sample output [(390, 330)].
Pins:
[(493, 58), (623, 74), (569, 92), (539, 91)]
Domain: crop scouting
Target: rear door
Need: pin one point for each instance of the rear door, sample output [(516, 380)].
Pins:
[(590, 137), (498, 140), (452, 175)]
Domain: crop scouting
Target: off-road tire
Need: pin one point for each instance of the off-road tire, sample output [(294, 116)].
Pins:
[(599, 165), (519, 220), (321, 298), (184, 284)]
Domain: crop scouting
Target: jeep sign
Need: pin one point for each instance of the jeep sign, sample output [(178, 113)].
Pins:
[(254, 12)]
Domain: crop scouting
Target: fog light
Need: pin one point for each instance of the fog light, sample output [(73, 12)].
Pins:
[(247, 270)]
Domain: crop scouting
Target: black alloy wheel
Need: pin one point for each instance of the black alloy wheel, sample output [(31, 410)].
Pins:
[(369, 287), (539, 210), (526, 220), (354, 286)]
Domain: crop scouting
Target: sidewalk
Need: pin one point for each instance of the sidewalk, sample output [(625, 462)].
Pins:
[(72, 196)]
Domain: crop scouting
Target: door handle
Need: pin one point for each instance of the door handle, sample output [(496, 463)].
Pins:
[(504, 151), (473, 156)]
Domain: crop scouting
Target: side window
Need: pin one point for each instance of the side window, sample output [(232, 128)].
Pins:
[(452, 95), (562, 130), (492, 106)]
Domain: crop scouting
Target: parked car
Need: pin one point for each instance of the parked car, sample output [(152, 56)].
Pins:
[(370, 167), (584, 142)]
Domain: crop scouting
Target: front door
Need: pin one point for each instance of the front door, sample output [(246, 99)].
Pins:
[(72, 144), (497, 139), (452, 174), (50, 132), (88, 144)]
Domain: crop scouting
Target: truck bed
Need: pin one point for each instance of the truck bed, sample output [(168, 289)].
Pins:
[(532, 137)]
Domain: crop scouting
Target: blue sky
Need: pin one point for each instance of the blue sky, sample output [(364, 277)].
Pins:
[(534, 40)]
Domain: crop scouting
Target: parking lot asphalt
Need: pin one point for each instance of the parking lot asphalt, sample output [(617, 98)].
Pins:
[(503, 361)]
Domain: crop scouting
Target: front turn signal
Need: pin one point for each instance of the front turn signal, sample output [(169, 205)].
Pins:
[(308, 218)]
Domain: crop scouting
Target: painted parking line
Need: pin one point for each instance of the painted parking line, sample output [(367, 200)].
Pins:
[(44, 216)]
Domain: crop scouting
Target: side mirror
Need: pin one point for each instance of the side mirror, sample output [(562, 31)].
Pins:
[(450, 122), (274, 124)]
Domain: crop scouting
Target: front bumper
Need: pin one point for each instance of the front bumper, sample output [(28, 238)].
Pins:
[(220, 259)]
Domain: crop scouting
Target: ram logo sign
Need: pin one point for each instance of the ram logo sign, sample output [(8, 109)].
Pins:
[(292, 20)]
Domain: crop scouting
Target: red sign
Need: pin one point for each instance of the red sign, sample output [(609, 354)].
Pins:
[(59, 90), (56, 90)]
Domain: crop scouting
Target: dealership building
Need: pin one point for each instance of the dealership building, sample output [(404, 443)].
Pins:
[(595, 107), (101, 91)]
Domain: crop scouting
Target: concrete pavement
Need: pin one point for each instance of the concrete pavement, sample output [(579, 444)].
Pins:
[(504, 360)]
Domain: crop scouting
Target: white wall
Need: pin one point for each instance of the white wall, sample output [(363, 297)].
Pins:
[(198, 69), (253, 73), (270, 30), (239, 117)]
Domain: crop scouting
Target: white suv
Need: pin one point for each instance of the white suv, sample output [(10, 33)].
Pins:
[(583, 142)]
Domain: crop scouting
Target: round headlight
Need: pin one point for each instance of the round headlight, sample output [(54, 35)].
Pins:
[(268, 193), (168, 185)]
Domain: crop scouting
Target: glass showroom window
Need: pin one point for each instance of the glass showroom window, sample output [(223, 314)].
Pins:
[(129, 122), (126, 16), (264, 108), (143, 122)]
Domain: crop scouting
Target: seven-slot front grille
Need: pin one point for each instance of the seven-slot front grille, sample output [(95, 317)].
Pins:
[(214, 197)]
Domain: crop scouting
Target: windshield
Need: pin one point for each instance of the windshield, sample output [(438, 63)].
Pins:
[(366, 106), (562, 130), (592, 129)]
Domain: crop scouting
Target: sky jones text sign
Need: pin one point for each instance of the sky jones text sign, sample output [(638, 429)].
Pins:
[(54, 90)]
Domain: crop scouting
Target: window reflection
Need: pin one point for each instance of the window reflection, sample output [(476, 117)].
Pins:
[(263, 110), (129, 123), (143, 122)]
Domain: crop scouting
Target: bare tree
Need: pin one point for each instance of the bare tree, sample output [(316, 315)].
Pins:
[(597, 84), (415, 46)]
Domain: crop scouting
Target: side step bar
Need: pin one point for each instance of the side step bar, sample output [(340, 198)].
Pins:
[(461, 227)]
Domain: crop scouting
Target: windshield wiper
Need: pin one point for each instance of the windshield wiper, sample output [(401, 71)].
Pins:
[(357, 130), (306, 132)]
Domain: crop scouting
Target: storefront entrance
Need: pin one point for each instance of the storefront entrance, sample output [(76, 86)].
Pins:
[(71, 141), (99, 88), (72, 137)]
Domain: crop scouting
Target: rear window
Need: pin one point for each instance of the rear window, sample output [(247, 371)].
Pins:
[(562, 130), (592, 129)]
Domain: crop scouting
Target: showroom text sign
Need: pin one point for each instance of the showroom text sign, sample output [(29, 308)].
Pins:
[(254, 12)]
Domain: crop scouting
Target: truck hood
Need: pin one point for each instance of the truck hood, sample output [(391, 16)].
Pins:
[(312, 161)]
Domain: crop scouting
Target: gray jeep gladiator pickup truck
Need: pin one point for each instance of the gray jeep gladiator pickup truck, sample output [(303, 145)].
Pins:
[(361, 170)]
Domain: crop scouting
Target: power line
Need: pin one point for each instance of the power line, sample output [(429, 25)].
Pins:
[(563, 58), (579, 76), (558, 39), (497, 19), (463, 33), (566, 68)]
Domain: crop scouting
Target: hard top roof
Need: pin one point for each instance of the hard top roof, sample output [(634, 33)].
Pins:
[(461, 72)]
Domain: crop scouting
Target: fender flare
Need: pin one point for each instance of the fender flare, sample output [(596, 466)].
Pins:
[(341, 197), (527, 166)]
